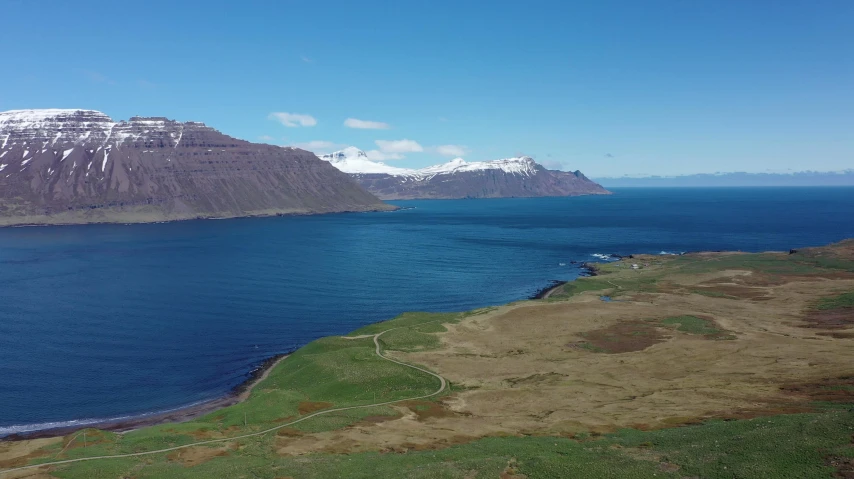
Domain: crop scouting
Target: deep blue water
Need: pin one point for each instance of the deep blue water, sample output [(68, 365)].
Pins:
[(103, 321)]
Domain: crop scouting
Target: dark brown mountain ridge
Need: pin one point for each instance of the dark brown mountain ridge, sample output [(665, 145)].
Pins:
[(79, 166)]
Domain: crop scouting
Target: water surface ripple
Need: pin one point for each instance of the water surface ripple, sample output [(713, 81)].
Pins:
[(104, 321)]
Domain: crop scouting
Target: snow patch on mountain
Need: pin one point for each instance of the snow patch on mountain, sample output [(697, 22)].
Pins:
[(79, 126), (523, 165), (354, 161)]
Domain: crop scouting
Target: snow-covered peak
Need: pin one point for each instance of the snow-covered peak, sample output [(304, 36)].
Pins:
[(54, 125), (355, 161), (34, 118), (57, 127), (351, 152), (522, 166), (450, 166)]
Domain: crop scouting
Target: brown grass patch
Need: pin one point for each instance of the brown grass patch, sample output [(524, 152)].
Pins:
[(202, 434), (195, 455), (622, 337), (93, 437), (663, 287), (536, 380), (841, 318), (839, 390), (733, 291), (424, 410), (289, 432), (844, 466), (772, 408), (376, 419), (307, 407), (837, 334), (759, 279), (20, 460), (38, 473), (679, 421), (19, 453)]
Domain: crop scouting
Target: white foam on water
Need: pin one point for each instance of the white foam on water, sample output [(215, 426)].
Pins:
[(42, 426)]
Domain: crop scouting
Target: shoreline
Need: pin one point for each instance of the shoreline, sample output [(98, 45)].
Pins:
[(237, 395), (586, 270), (385, 208), (544, 293)]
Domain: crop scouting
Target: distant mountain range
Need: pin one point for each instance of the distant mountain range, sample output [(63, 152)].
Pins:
[(803, 178), (511, 177), (80, 166)]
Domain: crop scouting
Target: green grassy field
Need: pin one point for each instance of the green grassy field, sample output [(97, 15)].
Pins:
[(352, 375), (580, 285), (799, 445), (845, 300), (337, 372), (785, 446), (695, 325)]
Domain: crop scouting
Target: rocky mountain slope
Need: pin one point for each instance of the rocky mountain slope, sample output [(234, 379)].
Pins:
[(80, 166), (512, 177)]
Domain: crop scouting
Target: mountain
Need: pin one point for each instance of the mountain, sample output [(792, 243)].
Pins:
[(802, 178), (512, 177), (80, 166)]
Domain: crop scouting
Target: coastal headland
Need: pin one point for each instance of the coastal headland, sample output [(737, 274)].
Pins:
[(700, 365)]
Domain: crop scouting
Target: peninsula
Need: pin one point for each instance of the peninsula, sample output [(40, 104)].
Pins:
[(697, 365)]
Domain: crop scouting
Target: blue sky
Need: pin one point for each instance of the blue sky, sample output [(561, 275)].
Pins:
[(609, 87)]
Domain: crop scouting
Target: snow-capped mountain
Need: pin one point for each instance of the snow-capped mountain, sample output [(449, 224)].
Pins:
[(510, 177), (354, 161), (80, 166)]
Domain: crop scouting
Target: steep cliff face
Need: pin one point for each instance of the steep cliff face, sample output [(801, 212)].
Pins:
[(511, 177), (79, 166)]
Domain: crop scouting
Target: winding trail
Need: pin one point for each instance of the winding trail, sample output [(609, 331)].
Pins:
[(553, 290), (443, 384)]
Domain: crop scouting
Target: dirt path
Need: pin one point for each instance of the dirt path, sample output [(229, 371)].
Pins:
[(377, 349), (549, 292)]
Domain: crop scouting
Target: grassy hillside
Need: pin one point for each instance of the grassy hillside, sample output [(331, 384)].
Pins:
[(711, 365)]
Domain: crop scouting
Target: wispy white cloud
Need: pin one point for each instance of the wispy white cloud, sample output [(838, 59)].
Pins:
[(96, 77), (266, 138), (319, 146), (377, 155), (145, 84), (451, 150), (399, 146), (292, 120), (552, 164), (306, 59), (366, 124)]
